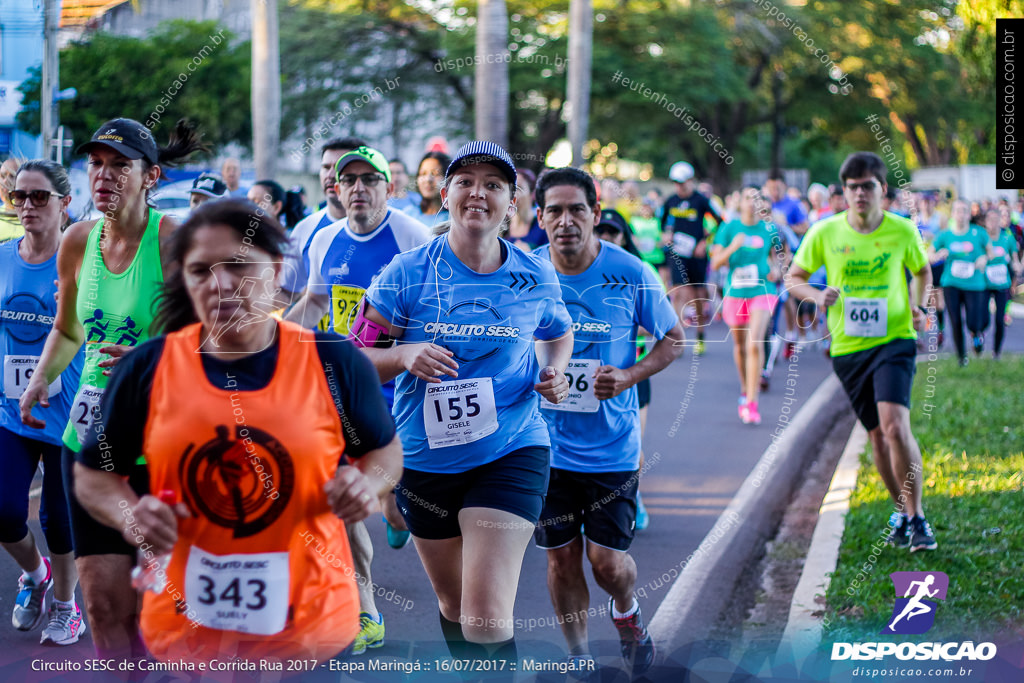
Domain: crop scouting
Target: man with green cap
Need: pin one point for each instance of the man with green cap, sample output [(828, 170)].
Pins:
[(344, 258)]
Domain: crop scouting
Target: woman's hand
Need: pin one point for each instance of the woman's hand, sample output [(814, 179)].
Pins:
[(35, 392), (116, 352), (553, 385), (351, 495), (156, 523), (429, 361)]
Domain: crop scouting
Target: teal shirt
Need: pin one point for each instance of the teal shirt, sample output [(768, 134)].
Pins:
[(998, 274), (760, 241), (964, 250)]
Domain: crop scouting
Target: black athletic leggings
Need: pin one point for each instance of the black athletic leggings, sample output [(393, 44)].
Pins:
[(976, 308), (1001, 296)]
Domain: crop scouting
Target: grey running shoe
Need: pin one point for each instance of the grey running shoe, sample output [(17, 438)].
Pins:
[(30, 605)]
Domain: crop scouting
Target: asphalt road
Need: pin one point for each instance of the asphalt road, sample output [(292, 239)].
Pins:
[(698, 454)]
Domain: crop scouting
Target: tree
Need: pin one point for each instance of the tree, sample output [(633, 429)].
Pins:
[(185, 69)]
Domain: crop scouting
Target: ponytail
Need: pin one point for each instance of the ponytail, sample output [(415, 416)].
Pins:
[(185, 139)]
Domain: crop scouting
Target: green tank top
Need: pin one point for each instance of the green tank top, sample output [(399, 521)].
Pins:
[(114, 309)]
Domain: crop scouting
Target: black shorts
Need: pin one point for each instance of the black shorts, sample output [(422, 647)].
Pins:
[(937, 270), (643, 392), (688, 271), (882, 373), (600, 505), (89, 536), (516, 483)]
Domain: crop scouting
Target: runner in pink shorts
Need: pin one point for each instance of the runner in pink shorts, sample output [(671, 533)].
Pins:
[(755, 254)]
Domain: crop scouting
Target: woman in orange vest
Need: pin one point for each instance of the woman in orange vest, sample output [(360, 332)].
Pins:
[(248, 432)]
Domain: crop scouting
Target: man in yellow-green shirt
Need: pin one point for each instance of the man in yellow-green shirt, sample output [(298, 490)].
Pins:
[(873, 322)]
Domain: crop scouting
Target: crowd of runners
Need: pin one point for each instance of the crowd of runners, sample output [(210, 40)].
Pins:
[(478, 348)]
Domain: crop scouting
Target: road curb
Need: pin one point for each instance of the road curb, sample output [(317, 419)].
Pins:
[(803, 628), (705, 585)]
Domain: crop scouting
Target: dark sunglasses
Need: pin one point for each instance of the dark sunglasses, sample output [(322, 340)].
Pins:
[(38, 197), (369, 179)]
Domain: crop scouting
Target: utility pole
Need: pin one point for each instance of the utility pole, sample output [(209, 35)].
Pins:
[(51, 78), (266, 88), (581, 35)]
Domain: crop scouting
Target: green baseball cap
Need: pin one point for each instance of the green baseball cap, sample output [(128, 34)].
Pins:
[(367, 154)]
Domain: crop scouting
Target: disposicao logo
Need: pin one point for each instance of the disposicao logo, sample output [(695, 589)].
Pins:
[(913, 614)]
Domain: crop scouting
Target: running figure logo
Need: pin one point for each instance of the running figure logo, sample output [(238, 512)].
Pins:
[(913, 612)]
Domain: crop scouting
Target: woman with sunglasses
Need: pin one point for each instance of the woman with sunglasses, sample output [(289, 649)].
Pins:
[(476, 316), (28, 271), (110, 274)]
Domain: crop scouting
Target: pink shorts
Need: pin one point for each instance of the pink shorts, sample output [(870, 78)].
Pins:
[(736, 312)]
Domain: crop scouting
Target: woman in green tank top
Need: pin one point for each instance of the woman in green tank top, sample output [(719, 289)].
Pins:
[(110, 274)]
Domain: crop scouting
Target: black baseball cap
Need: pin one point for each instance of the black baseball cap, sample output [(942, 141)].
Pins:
[(612, 218), (209, 185), (483, 152), (125, 136)]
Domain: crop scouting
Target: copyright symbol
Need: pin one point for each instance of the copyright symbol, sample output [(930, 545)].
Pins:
[(1007, 174)]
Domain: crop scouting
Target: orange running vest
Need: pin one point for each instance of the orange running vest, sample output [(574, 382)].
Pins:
[(262, 569)]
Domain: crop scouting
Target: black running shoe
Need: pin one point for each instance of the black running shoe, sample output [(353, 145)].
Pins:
[(921, 536), (899, 537), (979, 344), (637, 644)]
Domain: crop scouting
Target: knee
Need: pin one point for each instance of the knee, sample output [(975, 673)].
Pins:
[(108, 606), (895, 429), (607, 564), (564, 564)]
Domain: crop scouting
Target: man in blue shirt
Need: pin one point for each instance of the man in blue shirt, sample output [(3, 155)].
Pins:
[(595, 432)]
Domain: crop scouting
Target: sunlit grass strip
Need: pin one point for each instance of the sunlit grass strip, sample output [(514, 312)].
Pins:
[(970, 425)]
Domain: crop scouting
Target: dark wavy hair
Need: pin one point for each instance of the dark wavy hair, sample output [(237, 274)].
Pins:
[(173, 306), (184, 140), (445, 162)]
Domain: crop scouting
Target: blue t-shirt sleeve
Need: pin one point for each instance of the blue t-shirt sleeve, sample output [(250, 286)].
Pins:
[(387, 293), (654, 312), (554, 319)]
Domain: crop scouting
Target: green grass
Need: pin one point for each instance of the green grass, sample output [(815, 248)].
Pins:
[(970, 425)]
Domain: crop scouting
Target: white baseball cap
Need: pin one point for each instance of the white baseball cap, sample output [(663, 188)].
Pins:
[(680, 172)]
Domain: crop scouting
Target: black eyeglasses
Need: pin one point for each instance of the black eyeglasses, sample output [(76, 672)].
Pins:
[(868, 186), (38, 197), (369, 179)]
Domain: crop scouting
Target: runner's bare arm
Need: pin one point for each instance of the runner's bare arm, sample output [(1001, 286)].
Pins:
[(426, 361), (309, 309), (796, 283), (607, 383), (922, 291), (354, 491), (110, 500), (553, 356), (67, 334), (720, 255)]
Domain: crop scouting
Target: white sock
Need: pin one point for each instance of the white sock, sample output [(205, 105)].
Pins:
[(70, 604), (628, 613), (39, 575)]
